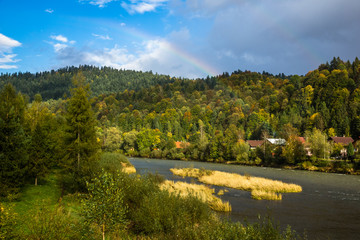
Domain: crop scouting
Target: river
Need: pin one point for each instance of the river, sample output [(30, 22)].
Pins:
[(327, 208)]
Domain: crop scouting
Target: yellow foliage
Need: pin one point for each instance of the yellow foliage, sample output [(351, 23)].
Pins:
[(312, 118)]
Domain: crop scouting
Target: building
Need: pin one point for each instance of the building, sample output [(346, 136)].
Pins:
[(276, 141), (344, 141), (255, 143)]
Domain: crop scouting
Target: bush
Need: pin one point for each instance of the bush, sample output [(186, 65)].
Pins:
[(112, 162), (165, 213), (156, 153), (105, 209), (7, 222), (145, 152), (53, 224)]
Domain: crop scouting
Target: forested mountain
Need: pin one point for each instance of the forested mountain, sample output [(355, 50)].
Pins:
[(56, 83)]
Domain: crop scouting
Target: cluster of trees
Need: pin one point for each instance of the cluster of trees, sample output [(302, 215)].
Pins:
[(34, 139)]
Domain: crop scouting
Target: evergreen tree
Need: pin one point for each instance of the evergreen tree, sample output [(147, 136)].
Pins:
[(13, 156), (80, 133), (39, 153)]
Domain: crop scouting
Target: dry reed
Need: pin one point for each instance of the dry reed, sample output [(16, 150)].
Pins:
[(264, 195), (233, 180), (201, 192)]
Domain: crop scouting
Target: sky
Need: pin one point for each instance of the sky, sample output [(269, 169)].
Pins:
[(180, 38)]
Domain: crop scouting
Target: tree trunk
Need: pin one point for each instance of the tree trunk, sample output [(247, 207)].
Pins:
[(103, 231), (35, 181)]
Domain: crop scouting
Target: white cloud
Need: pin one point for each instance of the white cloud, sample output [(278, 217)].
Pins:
[(6, 56), (142, 6), (59, 46), (115, 57), (100, 3), (122, 24), (60, 38), (8, 66), (63, 43), (106, 37), (6, 43), (49, 10)]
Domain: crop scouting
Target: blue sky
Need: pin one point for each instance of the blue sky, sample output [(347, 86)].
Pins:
[(182, 38)]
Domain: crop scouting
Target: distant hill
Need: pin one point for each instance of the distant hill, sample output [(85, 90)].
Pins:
[(104, 80)]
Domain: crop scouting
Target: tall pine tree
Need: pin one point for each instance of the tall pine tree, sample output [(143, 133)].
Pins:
[(13, 156), (80, 134)]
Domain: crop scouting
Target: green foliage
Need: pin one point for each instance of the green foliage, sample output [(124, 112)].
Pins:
[(162, 213), (350, 150), (13, 140), (319, 145), (105, 206), (112, 161), (8, 221), (80, 133), (294, 151), (47, 223), (241, 151)]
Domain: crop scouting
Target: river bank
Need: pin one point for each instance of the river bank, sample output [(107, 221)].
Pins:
[(316, 165)]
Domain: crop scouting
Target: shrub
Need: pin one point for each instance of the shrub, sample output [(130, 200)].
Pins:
[(52, 224), (105, 207), (8, 220), (165, 213)]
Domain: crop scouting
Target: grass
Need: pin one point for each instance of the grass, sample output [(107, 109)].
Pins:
[(202, 192), (237, 181), (47, 193)]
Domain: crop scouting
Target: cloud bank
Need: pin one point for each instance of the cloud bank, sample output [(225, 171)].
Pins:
[(6, 57)]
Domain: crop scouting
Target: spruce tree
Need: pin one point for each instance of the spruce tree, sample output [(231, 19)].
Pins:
[(40, 152), (13, 156), (80, 133)]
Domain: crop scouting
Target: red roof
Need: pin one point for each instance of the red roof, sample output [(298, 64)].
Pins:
[(342, 140), (255, 143)]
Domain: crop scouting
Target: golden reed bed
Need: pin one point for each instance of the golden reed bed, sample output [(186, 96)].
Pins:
[(261, 188), (202, 192)]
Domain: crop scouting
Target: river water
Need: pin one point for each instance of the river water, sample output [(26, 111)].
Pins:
[(327, 208)]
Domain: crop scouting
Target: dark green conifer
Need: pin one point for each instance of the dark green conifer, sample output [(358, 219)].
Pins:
[(13, 156), (80, 135)]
